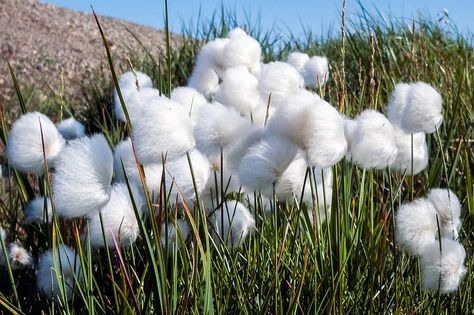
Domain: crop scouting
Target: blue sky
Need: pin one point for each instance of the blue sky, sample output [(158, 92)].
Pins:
[(317, 15)]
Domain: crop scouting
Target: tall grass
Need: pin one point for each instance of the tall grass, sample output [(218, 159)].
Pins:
[(349, 265)]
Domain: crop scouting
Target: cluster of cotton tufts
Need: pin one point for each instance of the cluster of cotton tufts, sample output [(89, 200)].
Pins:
[(172, 235), (82, 177), (442, 259), (39, 210), (233, 223), (415, 107), (315, 69), (33, 138), (58, 271), (371, 140), (19, 257), (118, 217), (70, 128), (135, 88), (163, 129)]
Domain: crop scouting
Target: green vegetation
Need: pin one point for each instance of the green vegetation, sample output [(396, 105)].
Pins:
[(350, 265)]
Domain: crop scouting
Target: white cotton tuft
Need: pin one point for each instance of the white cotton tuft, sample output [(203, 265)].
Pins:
[(211, 56), (403, 161), (129, 83), (58, 268), (25, 144), (242, 50), (322, 195), (118, 219), (371, 140), (279, 80), (218, 126), (164, 128), (239, 90), (415, 107), (315, 71), (265, 162), (423, 110), (174, 235), (204, 80), (297, 60), (416, 225), (70, 128), (36, 211), (123, 152), (314, 125), (443, 269), (190, 99), (289, 185), (448, 208), (236, 32), (82, 177), (135, 101), (19, 257), (233, 223)]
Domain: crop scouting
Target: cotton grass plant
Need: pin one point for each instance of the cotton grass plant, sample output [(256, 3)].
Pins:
[(195, 234)]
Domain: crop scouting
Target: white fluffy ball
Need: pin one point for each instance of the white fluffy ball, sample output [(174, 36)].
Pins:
[(371, 140), (36, 211), (19, 257), (211, 56), (164, 128), (403, 161), (279, 80), (448, 208), (58, 268), (70, 128), (118, 219), (233, 223), (241, 50), (443, 269), (25, 145), (315, 71), (123, 153), (297, 60), (190, 99), (397, 103), (135, 101), (129, 83), (205, 80), (81, 181)]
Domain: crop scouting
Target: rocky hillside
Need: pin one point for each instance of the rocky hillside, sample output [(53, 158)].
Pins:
[(44, 43)]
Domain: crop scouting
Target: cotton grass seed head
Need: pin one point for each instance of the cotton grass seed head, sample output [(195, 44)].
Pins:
[(205, 80), (233, 223), (315, 71), (134, 102), (371, 140), (163, 129), (70, 128), (279, 80), (190, 99), (19, 257), (129, 83), (443, 267), (448, 208), (408, 152), (39, 210), (416, 225), (82, 177), (211, 56), (297, 60), (24, 146), (58, 268), (118, 219), (241, 50)]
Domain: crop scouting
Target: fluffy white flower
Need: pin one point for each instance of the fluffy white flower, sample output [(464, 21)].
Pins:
[(416, 225), (443, 269), (118, 219), (233, 223), (25, 146), (279, 80), (36, 211), (190, 99), (164, 128), (19, 257), (70, 128), (315, 71), (174, 236), (239, 90), (58, 268), (265, 162), (371, 140), (135, 101), (218, 126), (123, 152), (415, 107), (204, 80), (403, 161), (241, 50), (81, 181), (297, 60), (129, 83), (314, 125), (236, 32), (448, 208), (423, 110), (211, 56)]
